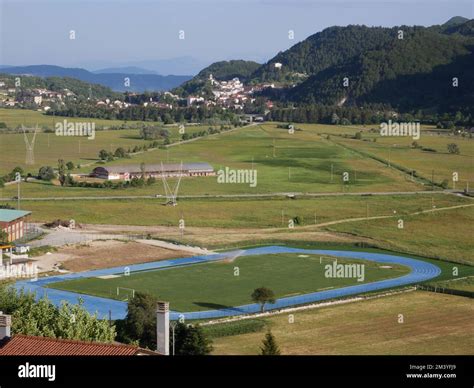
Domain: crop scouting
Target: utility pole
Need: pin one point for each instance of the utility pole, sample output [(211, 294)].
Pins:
[(332, 171), (289, 173), (18, 195)]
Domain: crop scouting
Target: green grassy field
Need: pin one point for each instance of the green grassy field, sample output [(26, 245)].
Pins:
[(440, 164), (80, 150), (463, 284), (433, 324), (446, 234), (14, 118), (49, 148), (214, 285), (303, 161), (245, 213)]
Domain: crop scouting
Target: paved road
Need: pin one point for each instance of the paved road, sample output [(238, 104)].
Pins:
[(420, 272)]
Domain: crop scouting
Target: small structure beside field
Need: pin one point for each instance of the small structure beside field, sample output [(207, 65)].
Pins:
[(167, 170), (14, 223)]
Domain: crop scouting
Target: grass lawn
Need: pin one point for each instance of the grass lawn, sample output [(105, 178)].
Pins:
[(214, 285), (433, 324)]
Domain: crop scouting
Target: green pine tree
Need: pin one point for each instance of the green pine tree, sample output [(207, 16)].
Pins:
[(270, 347)]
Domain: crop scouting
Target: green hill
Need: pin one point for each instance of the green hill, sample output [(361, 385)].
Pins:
[(410, 73), (57, 84), (416, 71)]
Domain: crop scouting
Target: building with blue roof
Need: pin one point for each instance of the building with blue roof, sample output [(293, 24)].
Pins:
[(14, 223)]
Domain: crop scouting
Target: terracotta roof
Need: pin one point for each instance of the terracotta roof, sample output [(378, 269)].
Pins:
[(25, 345)]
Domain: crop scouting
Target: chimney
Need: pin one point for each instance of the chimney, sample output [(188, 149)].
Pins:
[(163, 328), (5, 325)]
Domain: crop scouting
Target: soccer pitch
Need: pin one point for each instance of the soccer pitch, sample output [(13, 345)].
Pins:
[(229, 283)]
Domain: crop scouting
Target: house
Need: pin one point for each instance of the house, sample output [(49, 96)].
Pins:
[(13, 222), (153, 170), (192, 100)]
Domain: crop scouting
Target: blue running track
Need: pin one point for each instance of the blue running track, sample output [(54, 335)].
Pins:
[(420, 271)]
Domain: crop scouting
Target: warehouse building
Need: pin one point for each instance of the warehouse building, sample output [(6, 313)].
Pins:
[(153, 170), (13, 222)]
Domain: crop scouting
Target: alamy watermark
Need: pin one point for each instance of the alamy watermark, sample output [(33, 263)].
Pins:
[(229, 175), (400, 129), (345, 271), (16, 271), (85, 128)]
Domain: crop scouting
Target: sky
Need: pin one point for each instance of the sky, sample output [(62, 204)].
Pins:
[(111, 33)]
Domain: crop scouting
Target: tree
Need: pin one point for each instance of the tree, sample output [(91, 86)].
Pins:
[(190, 340), (46, 173), (453, 148), (42, 318), (70, 165), (103, 155), (140, 323), (61, 172), (270, 347), (3, 237), (120, 153), (263, 295)]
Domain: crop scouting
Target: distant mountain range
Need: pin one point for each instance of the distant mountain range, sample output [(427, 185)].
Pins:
[(115, 80), (352, 65)]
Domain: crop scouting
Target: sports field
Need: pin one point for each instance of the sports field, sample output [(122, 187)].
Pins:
[(229, 283)]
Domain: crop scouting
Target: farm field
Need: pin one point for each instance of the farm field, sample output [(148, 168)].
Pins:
[(215, 285), (443, 234), (462, 284), (440, 164), (80, 150), (303, 162), (49, 148), (14, 118), (433, 324), (244, 213)]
